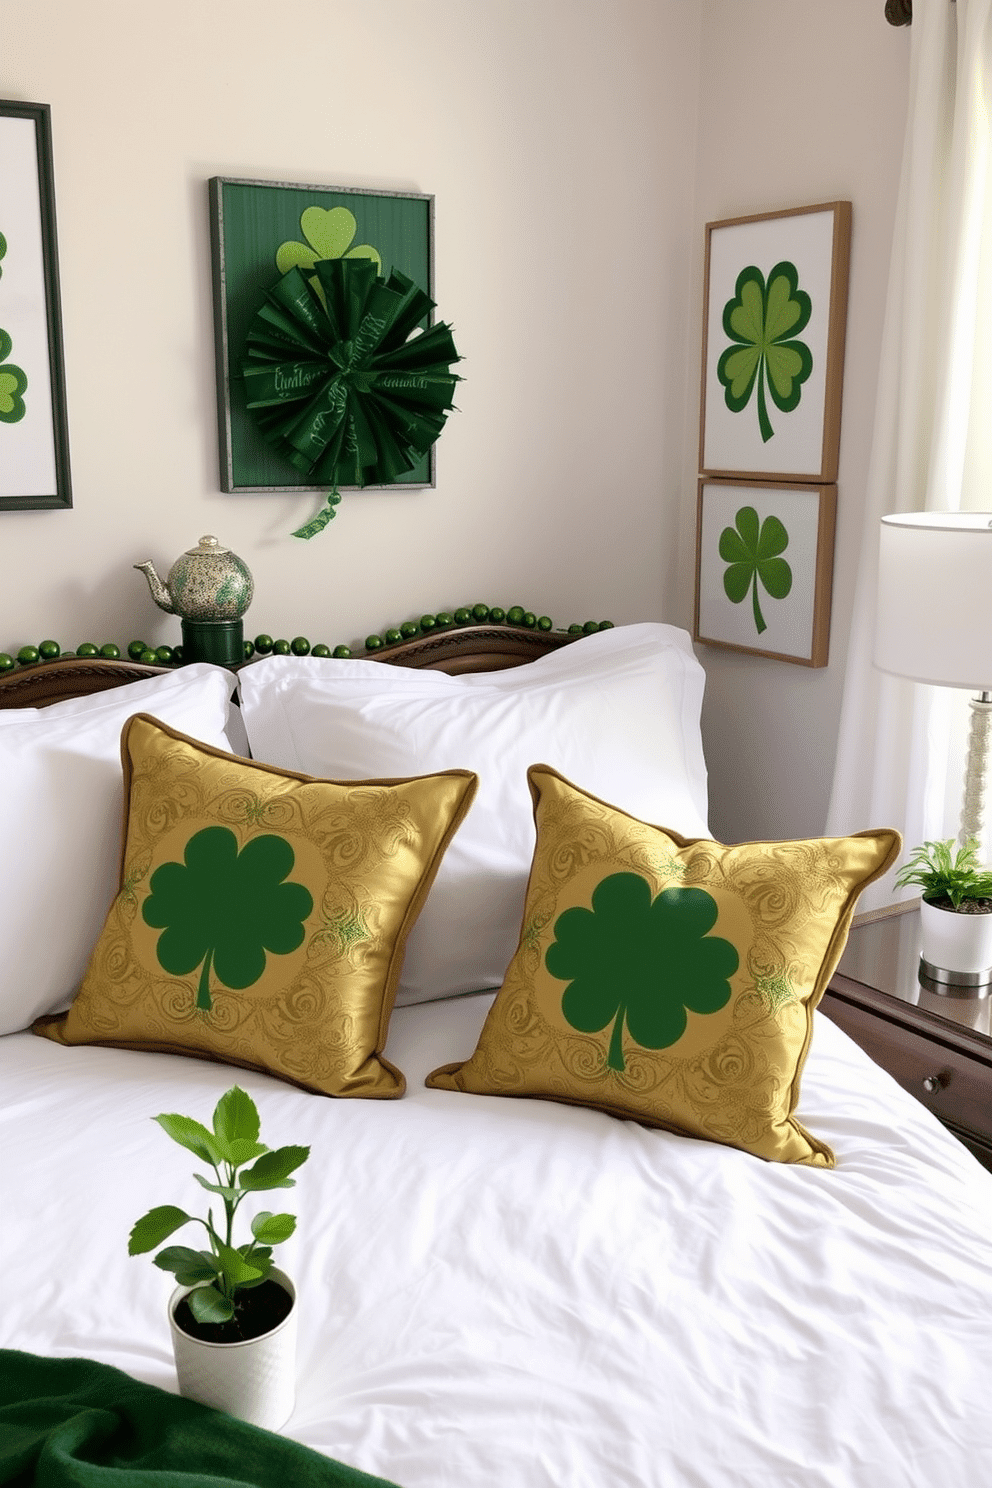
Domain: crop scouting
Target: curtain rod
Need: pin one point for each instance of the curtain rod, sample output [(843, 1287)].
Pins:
[(900, 12)]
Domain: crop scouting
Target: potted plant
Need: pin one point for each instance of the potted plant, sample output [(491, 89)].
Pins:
[(232, 1314), (956, 912)]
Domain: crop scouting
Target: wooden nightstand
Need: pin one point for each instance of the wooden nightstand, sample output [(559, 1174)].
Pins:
[(939, 1048)]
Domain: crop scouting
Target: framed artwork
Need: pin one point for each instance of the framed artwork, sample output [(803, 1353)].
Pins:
[(260, 230), (764, 569), (34, 436), (774, 319)]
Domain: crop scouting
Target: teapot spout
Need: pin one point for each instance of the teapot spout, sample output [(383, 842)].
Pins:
[(160, 593)]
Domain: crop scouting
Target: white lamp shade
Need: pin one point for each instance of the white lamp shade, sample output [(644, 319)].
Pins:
[(934, 617)]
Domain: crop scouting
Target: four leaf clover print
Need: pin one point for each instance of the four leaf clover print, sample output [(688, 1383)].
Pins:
[(640, 963), (752, 550), (763, 321), (13, 381), (222, 909)]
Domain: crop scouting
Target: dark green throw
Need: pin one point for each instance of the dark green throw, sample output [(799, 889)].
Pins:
[(73, 1423)]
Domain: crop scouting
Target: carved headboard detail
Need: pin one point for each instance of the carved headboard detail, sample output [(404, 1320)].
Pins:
[(473, 648)]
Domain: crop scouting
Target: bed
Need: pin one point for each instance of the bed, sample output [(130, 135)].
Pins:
[(524, 1283)]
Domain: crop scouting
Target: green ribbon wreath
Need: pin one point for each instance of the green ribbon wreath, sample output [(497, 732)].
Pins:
[(337, 381)]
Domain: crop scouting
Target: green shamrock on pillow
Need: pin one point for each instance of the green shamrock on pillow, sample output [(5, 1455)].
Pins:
[(640, 963), (222, 910)]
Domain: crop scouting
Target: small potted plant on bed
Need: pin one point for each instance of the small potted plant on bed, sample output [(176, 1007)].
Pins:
[(956, 912), (233, 1314)]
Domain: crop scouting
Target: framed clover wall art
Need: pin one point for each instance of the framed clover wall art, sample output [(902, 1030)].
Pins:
[(764, 568), (34, 441), (773, 343), (331, 374)]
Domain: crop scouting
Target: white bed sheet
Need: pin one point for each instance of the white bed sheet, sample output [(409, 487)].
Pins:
[(522, 1294)]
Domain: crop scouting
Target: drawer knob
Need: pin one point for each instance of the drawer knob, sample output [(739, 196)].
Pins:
[(933, 1083)]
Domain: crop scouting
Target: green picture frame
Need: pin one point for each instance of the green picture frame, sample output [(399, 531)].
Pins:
[(34, 430), (250, 221)]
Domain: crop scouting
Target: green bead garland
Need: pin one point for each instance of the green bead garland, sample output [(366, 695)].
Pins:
[(264, 645)]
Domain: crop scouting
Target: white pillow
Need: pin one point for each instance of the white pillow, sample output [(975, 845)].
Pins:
[(617, 712), (60, 827)]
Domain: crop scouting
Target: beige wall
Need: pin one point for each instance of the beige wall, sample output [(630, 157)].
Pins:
[(558, 139), (799, 103)]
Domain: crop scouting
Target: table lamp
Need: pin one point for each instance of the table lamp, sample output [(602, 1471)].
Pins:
[(933, 625), (933, 622)]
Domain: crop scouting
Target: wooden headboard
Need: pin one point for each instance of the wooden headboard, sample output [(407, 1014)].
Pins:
[(471, 648)]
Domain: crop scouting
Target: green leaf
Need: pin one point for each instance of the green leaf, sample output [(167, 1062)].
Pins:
[(236, 1118), (189, 1266), (261, 1256), (192, 1135), (776, 575), (218, 1188), (209, 1306), (235, 1268), (788, 366), (272, 1229), (772, 538), (243, 1151), (944, 874), (273, 1168), (154, 1227), (732, 549), (737, 581)]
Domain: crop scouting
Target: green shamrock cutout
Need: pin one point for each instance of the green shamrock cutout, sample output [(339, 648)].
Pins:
[(763, 321), (329, 234), (640, 962), (222, 909), (13, 383), (752, 552)]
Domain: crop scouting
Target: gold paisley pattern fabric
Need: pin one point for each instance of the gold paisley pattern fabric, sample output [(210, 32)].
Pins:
[(363, 855), (733, 1075)]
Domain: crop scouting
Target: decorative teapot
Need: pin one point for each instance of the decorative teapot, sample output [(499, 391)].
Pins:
[(207, 582)]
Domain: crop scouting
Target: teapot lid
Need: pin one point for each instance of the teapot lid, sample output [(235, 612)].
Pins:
[(207, 547)]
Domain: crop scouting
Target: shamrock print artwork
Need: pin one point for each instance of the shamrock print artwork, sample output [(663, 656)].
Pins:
[(752, 550), (329, 234), (13, 381), (13, 384), (636, 963), (762, 321)]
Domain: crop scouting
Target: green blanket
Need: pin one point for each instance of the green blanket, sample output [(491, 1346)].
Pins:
[(72, 1423)]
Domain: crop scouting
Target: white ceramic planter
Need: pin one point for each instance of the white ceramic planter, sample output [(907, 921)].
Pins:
[(959, 943), (255, 1381)]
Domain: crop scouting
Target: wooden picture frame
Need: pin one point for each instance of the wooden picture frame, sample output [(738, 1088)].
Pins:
[(755, 592), (774, 320), (249, 222), (34, 433)]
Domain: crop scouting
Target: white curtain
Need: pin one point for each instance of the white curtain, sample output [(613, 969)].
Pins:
[(900, 759)]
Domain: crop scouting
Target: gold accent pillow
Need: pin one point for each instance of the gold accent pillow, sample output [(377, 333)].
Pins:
[(667, 979), (262, 914)]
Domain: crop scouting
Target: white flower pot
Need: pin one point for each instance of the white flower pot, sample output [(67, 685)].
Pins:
[(255, 1381), (960, 943)]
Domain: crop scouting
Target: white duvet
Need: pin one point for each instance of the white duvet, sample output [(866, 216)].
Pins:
[(516, 1294)]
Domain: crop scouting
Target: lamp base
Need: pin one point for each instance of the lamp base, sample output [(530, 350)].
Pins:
[(219, 641)]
